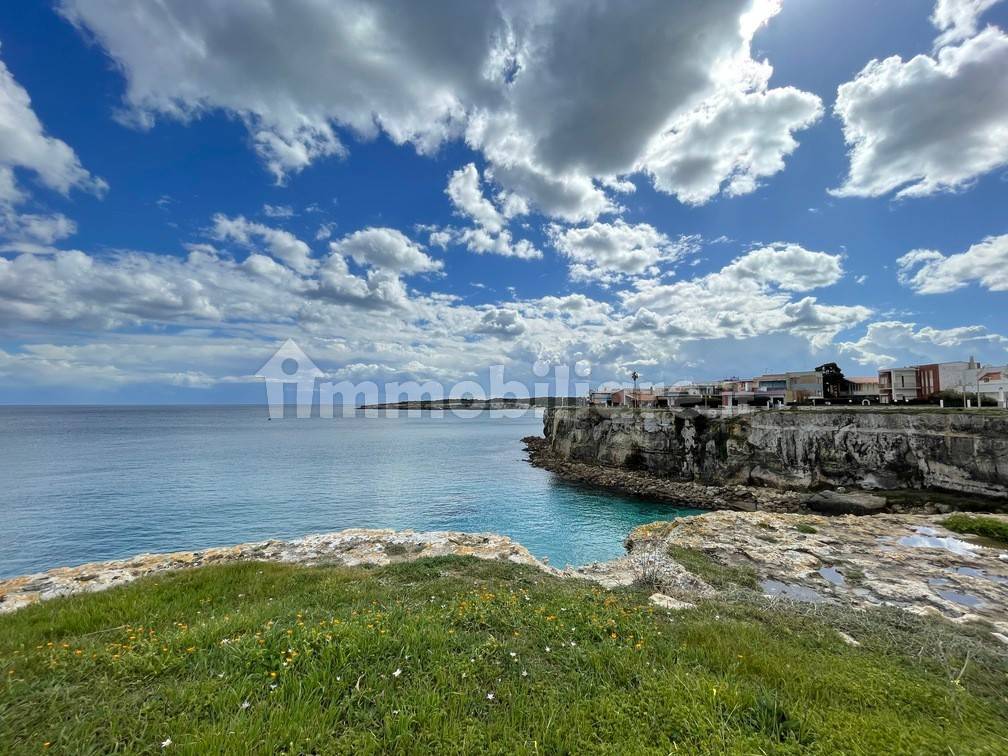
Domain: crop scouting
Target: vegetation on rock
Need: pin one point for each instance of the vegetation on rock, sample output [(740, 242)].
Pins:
[(988, 527)]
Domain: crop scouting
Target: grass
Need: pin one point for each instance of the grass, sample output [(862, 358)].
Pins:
[(804, 527), (988, 527), (463, 656), (716, 574)]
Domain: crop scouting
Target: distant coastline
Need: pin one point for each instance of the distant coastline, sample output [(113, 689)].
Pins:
[(497, 403)]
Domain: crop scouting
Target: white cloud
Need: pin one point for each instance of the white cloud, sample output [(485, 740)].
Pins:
[(25, 145), (325, 231), (748, 297), (705, 152), (387, 249), (609, 251), (927, 271), (282, 245), (277, 211), (489, 235), (894, 342), (957, 19), (788, 266), (929, 124), (542, 91), (466, 195), (33, 232), (500, 322)]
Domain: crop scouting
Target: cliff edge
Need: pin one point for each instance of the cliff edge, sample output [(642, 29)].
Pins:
[(882, 449)]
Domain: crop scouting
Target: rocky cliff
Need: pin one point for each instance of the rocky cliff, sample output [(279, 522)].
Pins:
[(962, 452)]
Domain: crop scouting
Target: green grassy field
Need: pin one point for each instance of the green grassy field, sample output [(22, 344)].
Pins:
[(461, 655)]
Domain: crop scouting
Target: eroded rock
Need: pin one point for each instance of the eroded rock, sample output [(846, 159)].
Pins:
[(352, 547)]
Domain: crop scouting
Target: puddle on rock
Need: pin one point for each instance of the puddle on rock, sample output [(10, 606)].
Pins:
[(791, 591), (961, 598), (925, 538), (832, 575), (982, 574)]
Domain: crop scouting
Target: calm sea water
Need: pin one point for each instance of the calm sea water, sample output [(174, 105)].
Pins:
[(79, 484)]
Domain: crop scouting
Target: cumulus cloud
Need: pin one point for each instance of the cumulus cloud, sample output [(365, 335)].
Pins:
[(610, 251), (894, 342), (489, 234), (500, 322), (385, 248), (929, 124), (541, 90), (705, 152), (25, 145), (927, 271), (748, 297), (282, 245), (957, 19), (466, 195)]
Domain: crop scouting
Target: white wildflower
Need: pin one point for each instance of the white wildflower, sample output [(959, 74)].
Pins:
[(397, 673), (166, 742)]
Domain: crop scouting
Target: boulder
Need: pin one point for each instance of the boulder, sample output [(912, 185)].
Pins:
[(853, 503)]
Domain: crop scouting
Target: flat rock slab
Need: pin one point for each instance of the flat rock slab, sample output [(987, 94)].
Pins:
[(907, 561), (352, 547)]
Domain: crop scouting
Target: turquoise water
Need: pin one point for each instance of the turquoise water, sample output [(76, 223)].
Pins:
[(80, 484)]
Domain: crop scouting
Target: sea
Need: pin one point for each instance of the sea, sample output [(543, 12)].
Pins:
[(81, 484)]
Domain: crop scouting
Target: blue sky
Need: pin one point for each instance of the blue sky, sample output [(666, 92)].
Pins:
[(692, 193)]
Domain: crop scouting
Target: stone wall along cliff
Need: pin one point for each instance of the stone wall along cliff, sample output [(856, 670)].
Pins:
[(876, 449)]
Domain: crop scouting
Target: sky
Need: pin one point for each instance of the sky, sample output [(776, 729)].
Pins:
[(422, 191)]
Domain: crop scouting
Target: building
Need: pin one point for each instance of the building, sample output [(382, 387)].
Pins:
[(898, 385), (825, 382), (603, 398), (860, 388), (634, 398), (924, 382)]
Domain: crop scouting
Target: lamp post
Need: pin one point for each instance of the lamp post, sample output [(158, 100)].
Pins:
[(634, 376)]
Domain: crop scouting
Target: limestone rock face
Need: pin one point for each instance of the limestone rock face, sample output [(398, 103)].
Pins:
[(871, 449)]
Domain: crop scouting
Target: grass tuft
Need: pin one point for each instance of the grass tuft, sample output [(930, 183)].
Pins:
[(712, 572), (988, 527)]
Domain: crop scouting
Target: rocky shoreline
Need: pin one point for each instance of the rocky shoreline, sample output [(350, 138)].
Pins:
[(746, 498), (650, 486), (908, 562), (351, 548)]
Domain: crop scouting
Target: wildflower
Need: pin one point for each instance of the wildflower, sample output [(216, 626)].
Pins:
[(513, 654), (245, 704), (547, 649), (490, 696), (273, 686), (397, 673), (524, 673), (166, 742)]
